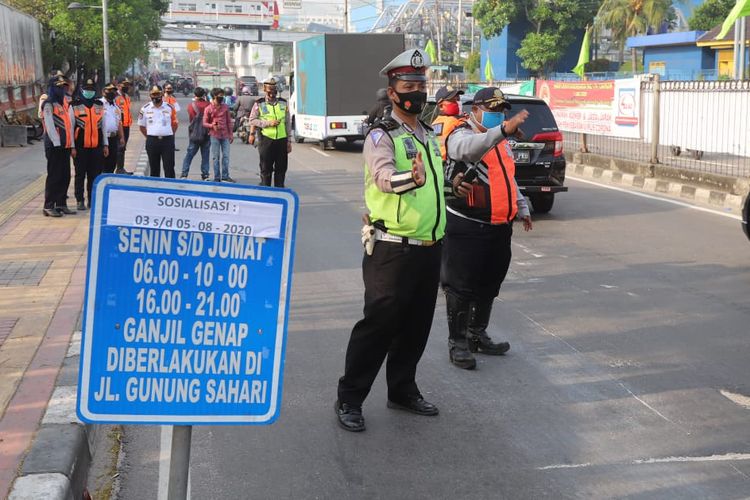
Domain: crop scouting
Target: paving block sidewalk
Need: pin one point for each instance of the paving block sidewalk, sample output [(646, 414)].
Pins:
[(44, 448)]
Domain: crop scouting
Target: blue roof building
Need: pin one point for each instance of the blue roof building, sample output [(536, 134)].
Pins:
[(675, 56)]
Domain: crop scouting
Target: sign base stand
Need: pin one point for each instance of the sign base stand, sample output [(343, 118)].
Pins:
[(179, 466)]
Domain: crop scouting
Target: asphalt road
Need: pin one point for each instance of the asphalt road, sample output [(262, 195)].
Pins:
[(628, 319)]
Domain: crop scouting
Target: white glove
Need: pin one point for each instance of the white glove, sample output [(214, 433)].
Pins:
[(368, 238)]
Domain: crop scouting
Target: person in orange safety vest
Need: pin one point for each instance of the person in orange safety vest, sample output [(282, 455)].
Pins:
[(477, 252), (57, 119), (91, 145), (448, 102), (123, 102)]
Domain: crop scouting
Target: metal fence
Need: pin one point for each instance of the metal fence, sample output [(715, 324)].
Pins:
[(700, 125)]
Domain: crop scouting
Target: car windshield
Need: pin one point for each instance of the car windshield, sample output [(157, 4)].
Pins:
[(540, 117)]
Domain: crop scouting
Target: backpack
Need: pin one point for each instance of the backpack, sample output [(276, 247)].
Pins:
[(196, 131)]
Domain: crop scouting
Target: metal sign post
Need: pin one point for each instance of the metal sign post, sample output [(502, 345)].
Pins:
[(186, 307)]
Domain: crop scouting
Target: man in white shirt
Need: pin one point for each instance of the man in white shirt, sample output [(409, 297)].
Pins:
[(158, 123), (112, 128)]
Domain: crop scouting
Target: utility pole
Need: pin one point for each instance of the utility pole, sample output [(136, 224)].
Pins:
[(460, 19), (439, 34), (346, 16)]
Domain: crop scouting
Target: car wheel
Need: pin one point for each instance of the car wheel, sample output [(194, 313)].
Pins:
[(542, 202)]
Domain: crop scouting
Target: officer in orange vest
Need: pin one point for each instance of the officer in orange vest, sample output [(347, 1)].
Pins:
[(449, 103), (478, 231), (91, 144), (58, 119), (170, 99), (123, 102)]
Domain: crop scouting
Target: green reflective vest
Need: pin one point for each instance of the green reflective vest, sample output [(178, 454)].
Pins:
[(275, 111), (419, 213)]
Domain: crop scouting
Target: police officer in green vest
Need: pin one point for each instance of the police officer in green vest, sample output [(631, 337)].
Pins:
[(405, 194), (271, 115)]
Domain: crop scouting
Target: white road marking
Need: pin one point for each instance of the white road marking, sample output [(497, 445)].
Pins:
[(321, 152), (165, 459), (657, 198), (564, 466), (609, 287), (728, 457), (738, 399)]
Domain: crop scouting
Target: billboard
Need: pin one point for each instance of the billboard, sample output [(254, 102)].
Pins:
[(608, 107)]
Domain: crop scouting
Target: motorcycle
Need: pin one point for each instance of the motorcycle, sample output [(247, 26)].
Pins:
[(244, 130)]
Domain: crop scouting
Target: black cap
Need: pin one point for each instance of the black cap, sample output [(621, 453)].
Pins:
[(491, 98), (89, 85), (448, 92), (58, 81)]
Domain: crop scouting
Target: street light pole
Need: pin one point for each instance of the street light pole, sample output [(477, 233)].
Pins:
[(105, 30)]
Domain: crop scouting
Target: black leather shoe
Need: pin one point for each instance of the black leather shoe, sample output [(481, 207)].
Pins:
[(415, 405), (65, 210), (81, 206), (349, 417), (51, 212)]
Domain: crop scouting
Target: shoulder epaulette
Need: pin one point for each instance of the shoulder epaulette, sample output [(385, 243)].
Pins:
[(388, 124)]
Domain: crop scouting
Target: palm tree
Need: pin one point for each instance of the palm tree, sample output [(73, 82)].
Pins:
[(626, 18)]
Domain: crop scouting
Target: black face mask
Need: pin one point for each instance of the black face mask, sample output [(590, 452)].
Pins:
[(110, 96), (412, 102), (169, 92), (219, 99), (156, 100)]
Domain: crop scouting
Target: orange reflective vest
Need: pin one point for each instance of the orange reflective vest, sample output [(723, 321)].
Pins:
[(170, 99), (123, 102), (89, 121), (61, 117), (494, 197), (443, 126)]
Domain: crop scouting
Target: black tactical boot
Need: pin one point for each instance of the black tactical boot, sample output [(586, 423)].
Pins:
[(458, 349), (478, 339)]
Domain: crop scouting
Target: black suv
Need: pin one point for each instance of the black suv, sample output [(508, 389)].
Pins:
[(538, 151)]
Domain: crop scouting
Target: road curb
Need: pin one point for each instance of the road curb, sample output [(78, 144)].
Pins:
[(719, 199), (56, 466)]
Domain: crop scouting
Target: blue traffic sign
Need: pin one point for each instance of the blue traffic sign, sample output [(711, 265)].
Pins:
[(187, 302)]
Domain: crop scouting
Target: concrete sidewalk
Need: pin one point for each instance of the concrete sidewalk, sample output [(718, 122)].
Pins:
[(42, 274)]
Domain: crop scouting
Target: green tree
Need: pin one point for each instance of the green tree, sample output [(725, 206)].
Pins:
[(626, 18), (554, 25), (710, 14), (132, 23), (472, 62)]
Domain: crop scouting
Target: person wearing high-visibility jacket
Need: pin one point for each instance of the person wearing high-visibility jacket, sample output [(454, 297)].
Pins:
[(91, 144), (123, 102), (450, 115), (477, 249), (58, 123), (271, 115), (405, 192)]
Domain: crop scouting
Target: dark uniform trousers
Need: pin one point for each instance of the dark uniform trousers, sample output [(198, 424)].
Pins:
[(88, 164), (475, 259), (58, 177), (110, 162), (121, 153), (160, 151), (273, 161), (401, 285)]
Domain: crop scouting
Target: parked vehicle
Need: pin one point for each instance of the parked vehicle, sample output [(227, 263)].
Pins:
[(334, 83), (538, 151), (248, 81), (215, 79)]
